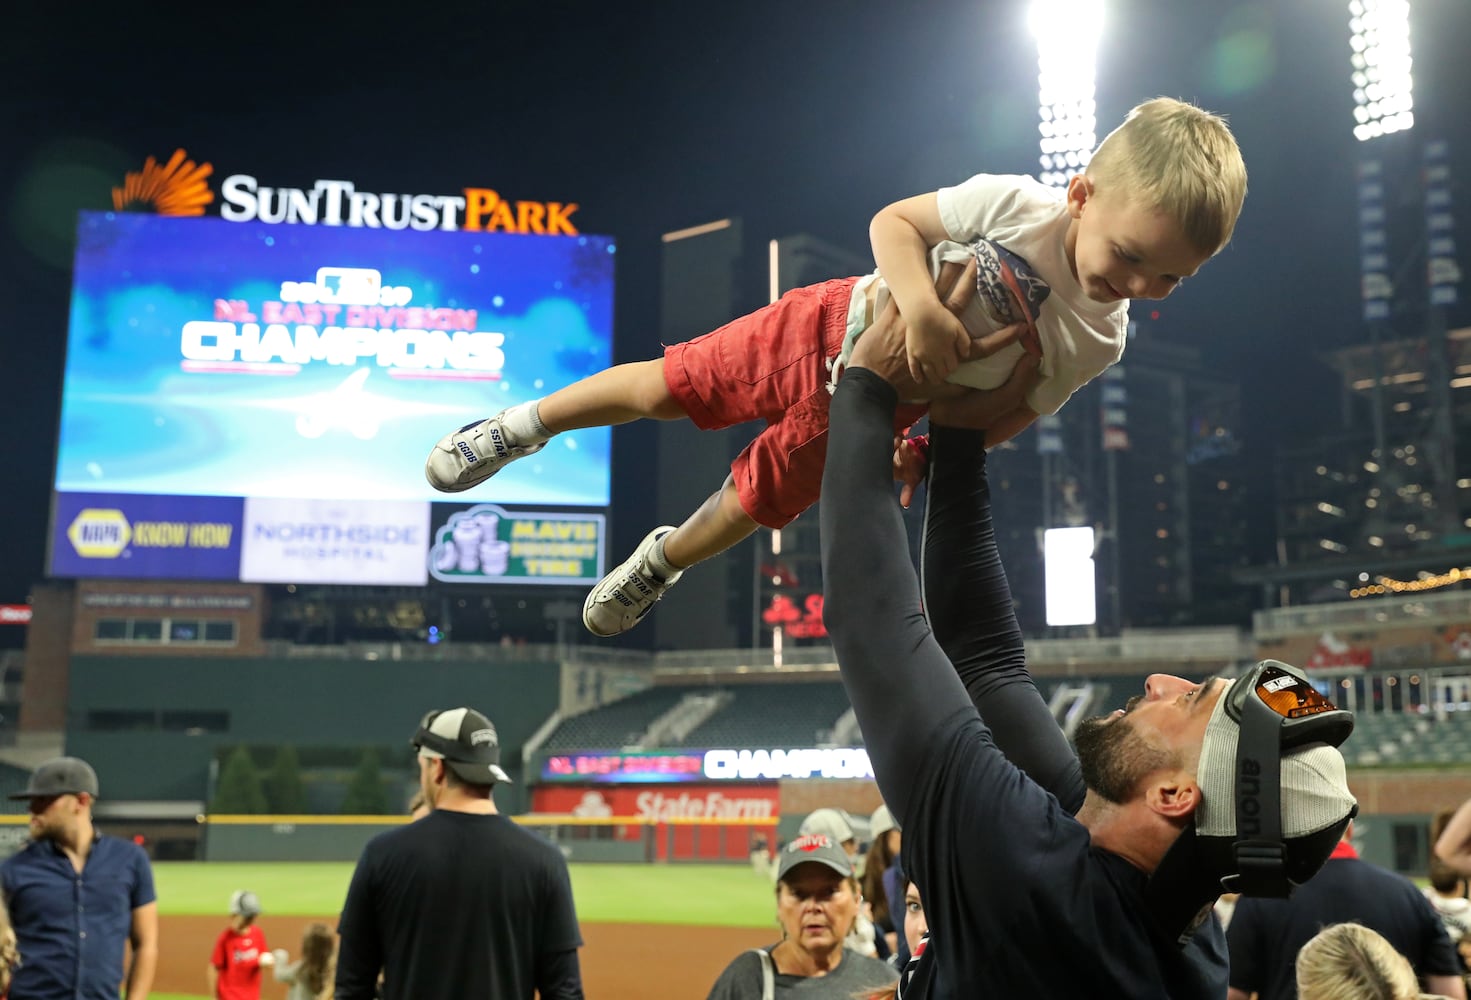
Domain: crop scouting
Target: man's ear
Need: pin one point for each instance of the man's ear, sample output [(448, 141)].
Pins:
[(1173, 795), (1079, 190)]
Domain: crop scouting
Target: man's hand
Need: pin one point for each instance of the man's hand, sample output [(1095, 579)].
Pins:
[(881, 347), (983, 408)]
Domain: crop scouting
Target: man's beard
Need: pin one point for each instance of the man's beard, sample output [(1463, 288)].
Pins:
[(1114, 758)]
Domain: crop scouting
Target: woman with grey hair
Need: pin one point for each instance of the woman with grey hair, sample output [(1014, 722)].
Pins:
[(817, 901)]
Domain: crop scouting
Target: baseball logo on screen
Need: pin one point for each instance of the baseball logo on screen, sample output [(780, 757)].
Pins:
[(180, 187), (489, 544)]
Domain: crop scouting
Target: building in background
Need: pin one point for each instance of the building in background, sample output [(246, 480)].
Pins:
[(1149, 455)]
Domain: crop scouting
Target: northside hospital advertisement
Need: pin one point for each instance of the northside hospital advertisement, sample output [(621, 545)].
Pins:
[(255, 402)]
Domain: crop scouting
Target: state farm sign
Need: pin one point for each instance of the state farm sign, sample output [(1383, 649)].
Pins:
[(655, 804), (15, 614)]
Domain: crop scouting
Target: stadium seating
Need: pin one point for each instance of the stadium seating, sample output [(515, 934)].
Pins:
[(773, 715), (803, 714), (618, 724), (1383, 739)]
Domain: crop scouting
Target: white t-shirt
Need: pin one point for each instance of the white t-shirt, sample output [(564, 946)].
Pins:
[(1080, 337), (1454, 912)]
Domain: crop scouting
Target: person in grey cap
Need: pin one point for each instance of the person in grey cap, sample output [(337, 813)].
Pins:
[(1047, 871), (833, 823), (817, 902), (240, 952), (461, 903), (77, 897)]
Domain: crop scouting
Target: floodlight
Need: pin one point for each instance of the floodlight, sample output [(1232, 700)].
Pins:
[(1382, 79), (1067, 46)]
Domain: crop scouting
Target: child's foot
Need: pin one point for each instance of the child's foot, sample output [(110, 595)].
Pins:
[(624, 596), (471, 455)]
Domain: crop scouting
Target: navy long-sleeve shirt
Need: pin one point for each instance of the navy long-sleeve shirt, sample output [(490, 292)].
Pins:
[(1018, 901)]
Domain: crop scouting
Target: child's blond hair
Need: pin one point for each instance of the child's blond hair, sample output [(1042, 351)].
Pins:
[(1181, 160), (1352, 962)]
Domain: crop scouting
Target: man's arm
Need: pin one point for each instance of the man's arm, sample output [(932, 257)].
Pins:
[(212, 977), (558, 973), (899, 682), (1451, 987), (1232, 993), (1454, 845), (143, 934), (360, 949), (558, 976), (969, 601), (1009, 425)]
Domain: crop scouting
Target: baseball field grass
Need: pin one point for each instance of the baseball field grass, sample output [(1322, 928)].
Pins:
[(729, 896), (692, 894)]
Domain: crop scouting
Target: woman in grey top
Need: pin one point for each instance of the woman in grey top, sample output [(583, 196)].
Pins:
[(817, 901), (310, 977)]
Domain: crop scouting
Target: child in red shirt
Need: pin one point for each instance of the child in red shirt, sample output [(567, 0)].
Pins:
[(240, 953)]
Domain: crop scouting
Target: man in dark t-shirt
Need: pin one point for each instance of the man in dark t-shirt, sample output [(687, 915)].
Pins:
[(1266, 934), (1043, 873), (462, 903)]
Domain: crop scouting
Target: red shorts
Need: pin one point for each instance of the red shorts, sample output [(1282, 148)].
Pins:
[(772, 365)]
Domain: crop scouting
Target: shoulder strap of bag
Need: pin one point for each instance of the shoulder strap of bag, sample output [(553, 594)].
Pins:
[(768, 974)]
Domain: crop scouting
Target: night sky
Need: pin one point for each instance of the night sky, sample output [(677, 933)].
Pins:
[(795, 117)]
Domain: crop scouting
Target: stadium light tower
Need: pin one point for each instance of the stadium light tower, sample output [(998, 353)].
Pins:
[(1067, 33), (1383, 85)]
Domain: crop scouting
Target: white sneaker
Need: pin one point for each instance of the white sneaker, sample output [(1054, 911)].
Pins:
[(471, 455), (624, 596)]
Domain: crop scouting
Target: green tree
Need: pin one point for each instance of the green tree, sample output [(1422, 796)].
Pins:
[(239, 790), (366, 794), (284, 791)]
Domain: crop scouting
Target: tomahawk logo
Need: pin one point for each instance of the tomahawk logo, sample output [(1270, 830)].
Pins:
[(811, 842)]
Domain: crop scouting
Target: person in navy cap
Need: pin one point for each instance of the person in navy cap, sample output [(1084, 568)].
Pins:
[(78, 897)]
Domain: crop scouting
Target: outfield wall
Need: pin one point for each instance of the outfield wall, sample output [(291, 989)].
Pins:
[(130, 716), (291, 838), (618, 839)]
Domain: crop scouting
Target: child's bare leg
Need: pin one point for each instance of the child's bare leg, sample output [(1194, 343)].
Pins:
[(624, 596), (719, 523), (613, 396), (466, 457)]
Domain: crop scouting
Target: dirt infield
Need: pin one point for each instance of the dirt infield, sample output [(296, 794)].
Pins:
[(618, 960)]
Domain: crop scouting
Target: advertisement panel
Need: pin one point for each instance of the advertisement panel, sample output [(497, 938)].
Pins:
[(334, 541), (722, 764), (118, 535), (489, 544), (746, 807), (748, 801), (249, 359), (625, 766)]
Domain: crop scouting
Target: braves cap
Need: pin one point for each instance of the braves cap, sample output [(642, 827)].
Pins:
[(244, 903), (60, 776), (881, 822), (1315, 794), (1010, 290), (832, 823), (818, 848), (466, 741)]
